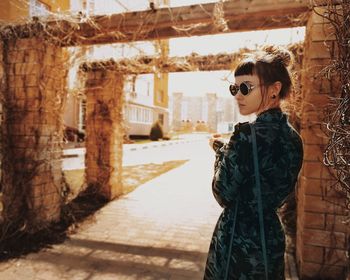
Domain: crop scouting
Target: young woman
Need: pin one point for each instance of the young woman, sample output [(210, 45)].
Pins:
[(248, 241)]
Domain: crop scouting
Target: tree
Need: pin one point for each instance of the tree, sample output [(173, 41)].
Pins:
[(156, 132)]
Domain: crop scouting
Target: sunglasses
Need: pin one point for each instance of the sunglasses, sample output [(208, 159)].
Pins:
[(245, 88)]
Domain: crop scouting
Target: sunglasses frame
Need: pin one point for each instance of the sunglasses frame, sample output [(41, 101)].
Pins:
[(234, 88)]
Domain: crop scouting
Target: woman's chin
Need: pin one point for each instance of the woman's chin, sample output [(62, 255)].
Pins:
[(243, 111)]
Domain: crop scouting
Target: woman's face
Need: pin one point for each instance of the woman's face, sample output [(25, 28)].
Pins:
[(250, 103)]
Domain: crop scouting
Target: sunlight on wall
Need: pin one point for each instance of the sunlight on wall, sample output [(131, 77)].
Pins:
[(199, 83)]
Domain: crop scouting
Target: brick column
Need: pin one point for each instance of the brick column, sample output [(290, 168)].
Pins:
[(104, 132), (32, 131), (321, 235)]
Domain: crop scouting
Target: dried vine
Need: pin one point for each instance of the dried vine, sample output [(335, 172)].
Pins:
[(337, 112), (337, 152)]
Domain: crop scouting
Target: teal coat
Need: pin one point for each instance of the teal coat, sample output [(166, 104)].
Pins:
[(280, 154)]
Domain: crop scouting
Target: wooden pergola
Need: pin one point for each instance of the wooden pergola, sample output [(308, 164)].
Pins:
[(33, 72), (164, 23)]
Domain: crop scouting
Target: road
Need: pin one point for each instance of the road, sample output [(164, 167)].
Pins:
[(195, 145)]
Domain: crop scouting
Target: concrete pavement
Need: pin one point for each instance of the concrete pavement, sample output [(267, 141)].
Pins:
[(161, 230)]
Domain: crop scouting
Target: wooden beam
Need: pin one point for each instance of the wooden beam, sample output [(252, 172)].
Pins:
[(194, 20), (148, 64), (190, 63)]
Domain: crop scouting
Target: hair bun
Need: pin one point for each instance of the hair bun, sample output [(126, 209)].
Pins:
[(279, 54)]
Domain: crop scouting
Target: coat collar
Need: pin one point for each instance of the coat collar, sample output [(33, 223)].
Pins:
[(272, 115)]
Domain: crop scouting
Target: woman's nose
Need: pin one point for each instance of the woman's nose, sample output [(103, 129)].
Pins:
[(239, 95)]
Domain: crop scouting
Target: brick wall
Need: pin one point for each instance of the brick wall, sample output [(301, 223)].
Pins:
[(32, 130), (104, 132), (321, 234)]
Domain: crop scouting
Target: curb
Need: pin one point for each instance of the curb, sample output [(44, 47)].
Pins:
[(156, 144), (72, 153)]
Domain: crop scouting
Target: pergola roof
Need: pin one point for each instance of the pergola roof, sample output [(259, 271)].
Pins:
[(194, 20)]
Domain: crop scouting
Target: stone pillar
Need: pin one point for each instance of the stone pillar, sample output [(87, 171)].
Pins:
[(212, 114), (104, 132), (321, 233), (32, 131)]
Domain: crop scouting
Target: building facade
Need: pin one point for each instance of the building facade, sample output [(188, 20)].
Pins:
[(219, 114), (146, 96), (14, 11)]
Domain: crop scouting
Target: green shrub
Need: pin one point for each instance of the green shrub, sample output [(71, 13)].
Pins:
[(156, 132)]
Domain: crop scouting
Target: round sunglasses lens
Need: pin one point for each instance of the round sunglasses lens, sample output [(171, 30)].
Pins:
[(244, 88), (233, 89)]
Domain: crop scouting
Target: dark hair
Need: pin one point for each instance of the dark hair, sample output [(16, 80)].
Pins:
[(270, 64)]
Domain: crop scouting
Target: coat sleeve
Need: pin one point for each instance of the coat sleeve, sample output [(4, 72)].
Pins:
[(229, 168)]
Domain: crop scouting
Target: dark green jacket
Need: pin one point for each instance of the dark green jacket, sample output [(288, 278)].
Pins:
[(280, 154)]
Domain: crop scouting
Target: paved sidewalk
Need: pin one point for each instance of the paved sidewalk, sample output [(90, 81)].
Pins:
[(162, 230)]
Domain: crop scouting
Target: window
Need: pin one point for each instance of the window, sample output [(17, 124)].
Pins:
[(161, 118), (134, 114), (82, 115), (139, 114), (184, 110), (205, 111), (89, 6), (38, 8), (160, 96)]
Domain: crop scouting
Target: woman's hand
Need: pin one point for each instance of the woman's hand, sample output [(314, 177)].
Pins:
[(216, 142)]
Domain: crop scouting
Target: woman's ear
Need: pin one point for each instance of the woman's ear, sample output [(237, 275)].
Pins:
[(275, 88)]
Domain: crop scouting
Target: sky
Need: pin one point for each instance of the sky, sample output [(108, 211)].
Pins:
[(115, 6), (199, 83)]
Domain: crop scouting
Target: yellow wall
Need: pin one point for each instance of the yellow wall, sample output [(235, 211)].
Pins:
[(161, 90), (13, 10), (57, 6), (18, 10), (160, 96)]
